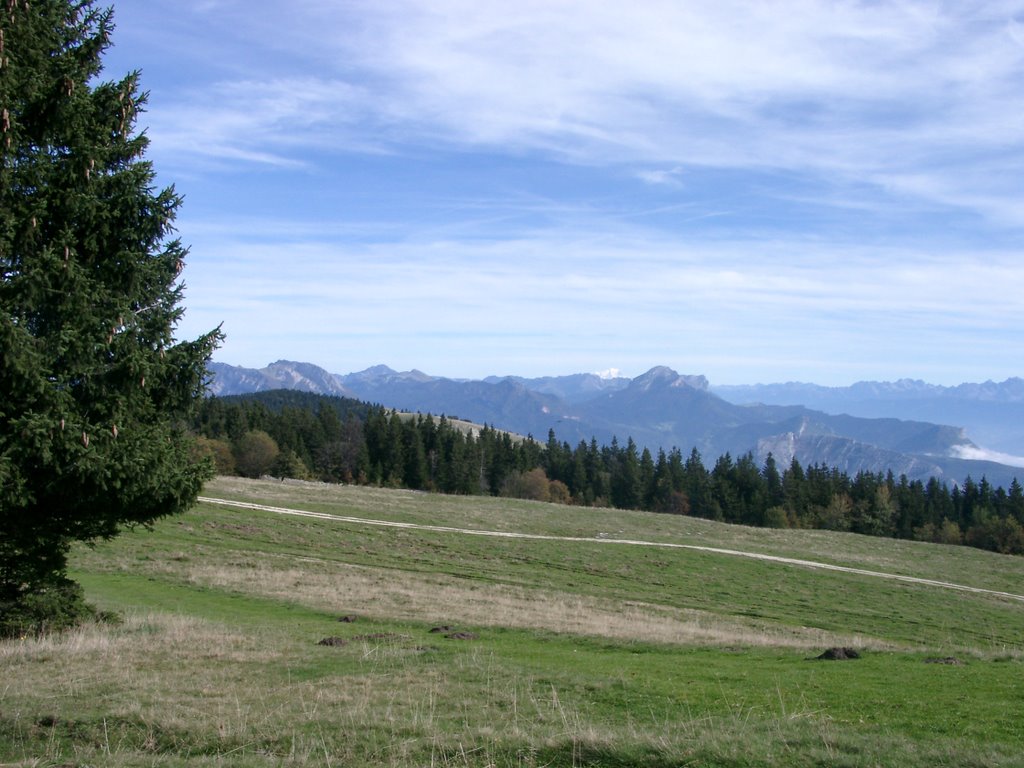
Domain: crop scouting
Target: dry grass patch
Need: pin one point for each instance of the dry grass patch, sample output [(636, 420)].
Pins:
[(154, 666), (436, 598), (148, 683), (170, 635)]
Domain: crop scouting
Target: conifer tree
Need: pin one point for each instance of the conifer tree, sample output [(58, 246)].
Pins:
[(94, 386)]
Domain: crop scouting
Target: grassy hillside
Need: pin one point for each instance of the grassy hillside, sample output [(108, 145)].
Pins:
[(576, 653)]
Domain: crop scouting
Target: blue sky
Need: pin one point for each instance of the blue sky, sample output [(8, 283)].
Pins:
[(812, 190)]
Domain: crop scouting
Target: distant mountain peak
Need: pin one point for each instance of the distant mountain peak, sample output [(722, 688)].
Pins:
[(375, 371), (663, 376), (382, 374), (660, 372)]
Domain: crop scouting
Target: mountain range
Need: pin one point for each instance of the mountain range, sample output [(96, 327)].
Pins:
[(863, 427), (991, 412)]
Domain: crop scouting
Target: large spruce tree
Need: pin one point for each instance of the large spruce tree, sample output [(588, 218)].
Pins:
[(94, 387)]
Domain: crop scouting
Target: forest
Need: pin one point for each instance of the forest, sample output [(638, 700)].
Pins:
[(291, 434)]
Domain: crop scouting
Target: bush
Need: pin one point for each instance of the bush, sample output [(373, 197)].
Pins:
[(289, 464), (255, 453), (776, 517), (533, 485), (53, 607), (218, 451), (996, 534)]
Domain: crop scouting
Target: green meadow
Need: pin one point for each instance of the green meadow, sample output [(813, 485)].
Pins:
[(552, 652)]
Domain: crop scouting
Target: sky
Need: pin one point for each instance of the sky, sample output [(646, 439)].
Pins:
[(812, 190)]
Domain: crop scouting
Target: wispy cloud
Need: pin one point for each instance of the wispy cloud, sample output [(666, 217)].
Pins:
[(670, 176), (919, 97), (826, 190), (276, 122)]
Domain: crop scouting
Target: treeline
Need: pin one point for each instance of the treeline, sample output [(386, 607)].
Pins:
[(300, 435)]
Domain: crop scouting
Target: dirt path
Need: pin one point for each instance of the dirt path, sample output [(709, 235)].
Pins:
[(596, 540)]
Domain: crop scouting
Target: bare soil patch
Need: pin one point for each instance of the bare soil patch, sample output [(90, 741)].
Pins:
[(839, 654), (333, 641)]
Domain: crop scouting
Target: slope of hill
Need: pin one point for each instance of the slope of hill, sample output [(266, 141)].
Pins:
[(660, 409), (606, 643)]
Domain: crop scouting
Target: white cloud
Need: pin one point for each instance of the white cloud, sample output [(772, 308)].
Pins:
[(983, 454), (261, 122), (669, 176), (874, 93)]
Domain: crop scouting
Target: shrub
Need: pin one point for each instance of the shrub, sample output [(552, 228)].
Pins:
[(51, 607)]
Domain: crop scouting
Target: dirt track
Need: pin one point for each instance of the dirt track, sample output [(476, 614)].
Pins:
[(595, 540)]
